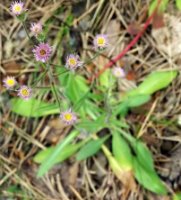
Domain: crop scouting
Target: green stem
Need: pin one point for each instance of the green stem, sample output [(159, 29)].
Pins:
[(39, 79), (54, 89), (26, 30)]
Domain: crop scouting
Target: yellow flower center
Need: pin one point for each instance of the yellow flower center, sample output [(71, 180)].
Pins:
[(118, 72), (100, 41), (72, 61), (17, 8), (25, 92), (68, 116), (10, 82), (42, 52)]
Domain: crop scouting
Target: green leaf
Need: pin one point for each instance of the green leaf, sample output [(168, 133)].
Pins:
[(162, 6), (78, 92), (33, 107), (75, 86), (140, 150), (130, 102), (91, 148), (142, 94), (104, 79), (93, 126), (92, 109), (41, 37), (121, 109), (148, 179), (42, 155), (118, 123), (153, 82), (15, 190), (118, 171), (47, 164), (121, 151), (178, 4), (143, 154), (143, 165), (137, 100), (68, 151), (177, 196)]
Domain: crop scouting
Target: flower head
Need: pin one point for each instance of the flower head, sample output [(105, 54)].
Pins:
[(118, 72), (17, 7), (36, 28), (42, 52), (73, 61), (25, 92), (100, 41), (68, 117), (9, 82)]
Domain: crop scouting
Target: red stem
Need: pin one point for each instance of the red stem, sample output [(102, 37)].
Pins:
[(128, 47)]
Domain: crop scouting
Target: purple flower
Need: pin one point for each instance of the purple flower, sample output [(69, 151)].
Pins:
[(100, 42), (68, 117), (17, 7), (9, 82), (42, 52), (36, 28), (118, 72), (25, 92), (73, 61)]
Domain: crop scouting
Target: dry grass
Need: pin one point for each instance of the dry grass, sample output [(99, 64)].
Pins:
[(22, 138)]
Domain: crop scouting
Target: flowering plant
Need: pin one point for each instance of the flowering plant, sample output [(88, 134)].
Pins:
[(88, 104)]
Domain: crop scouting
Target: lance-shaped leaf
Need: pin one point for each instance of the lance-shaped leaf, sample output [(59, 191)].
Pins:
[(142, 94), (153, 82), (148, 179), (137, 100), (91, 148), (122, 151), (126, 177), (143, 154), (33, 107), (143, 166)]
